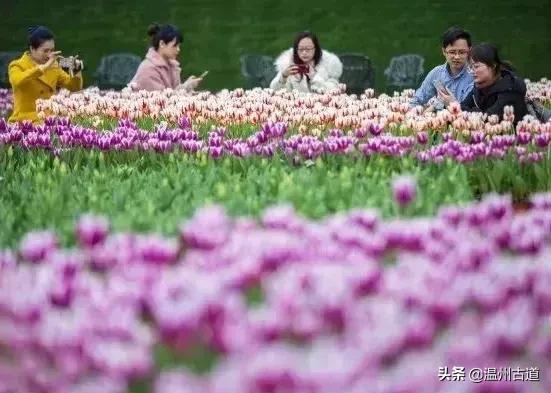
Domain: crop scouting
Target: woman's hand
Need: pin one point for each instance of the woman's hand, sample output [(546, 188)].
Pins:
[(75, 67), (446, 96), (429, 109), (78, 65), (52, 58), (193, 81), (291, 70)]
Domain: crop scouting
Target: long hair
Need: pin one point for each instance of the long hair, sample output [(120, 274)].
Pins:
[(298, 38)]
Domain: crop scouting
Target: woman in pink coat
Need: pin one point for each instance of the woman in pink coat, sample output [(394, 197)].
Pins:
[(160, 69)]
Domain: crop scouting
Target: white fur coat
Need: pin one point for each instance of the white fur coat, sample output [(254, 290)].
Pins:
[(326, 76)]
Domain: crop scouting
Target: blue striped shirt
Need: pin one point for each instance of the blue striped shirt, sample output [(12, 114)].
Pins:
[(460, 85)]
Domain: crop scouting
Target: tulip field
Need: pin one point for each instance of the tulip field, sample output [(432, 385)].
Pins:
[(262, 241)]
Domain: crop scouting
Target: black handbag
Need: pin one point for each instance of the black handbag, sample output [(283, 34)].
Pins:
[(537, 110)]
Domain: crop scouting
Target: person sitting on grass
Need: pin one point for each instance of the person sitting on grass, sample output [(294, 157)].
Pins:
[(495, 85), (306, 67), (37, 74), (160, 69), (451, 76)]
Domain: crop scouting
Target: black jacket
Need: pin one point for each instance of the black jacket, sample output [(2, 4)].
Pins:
[(507, 90)]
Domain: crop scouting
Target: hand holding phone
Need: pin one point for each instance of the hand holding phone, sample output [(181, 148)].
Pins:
[(443, 93), (303, 69), (440, 86), (291, 70)]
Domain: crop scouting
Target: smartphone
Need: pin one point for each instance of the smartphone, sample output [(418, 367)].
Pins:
[(203, 74), (303, 68)]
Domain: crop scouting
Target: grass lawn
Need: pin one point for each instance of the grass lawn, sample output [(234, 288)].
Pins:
[(155, 192)]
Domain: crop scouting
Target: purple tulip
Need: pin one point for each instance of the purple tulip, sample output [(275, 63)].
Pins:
[(7, 259), (216, 151), (91, 230), (119, 359), (327, 313), (375, 129), (524, 138), (542, 140), (36, 246), (184, 123), (422, 137), (156, 250), (278, 130), (361, 132), (209, 228), (3, 125), (404, 189)]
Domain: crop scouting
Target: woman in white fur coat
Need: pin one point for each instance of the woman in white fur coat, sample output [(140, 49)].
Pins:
[(306, 67)]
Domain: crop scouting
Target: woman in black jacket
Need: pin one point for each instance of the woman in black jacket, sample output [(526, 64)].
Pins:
[(495, 85)]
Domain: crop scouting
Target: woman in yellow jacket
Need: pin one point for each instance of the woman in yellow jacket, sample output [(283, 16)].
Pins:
[(36, 74)]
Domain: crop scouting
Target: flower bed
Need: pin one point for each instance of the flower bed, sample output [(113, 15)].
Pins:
[(6, 103), (57, 134), (257, 106), (283, 304), (267, 300)]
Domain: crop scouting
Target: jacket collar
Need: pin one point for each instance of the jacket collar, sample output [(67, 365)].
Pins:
[(27, 61), (459, 75), (508, 82), (159, 61)]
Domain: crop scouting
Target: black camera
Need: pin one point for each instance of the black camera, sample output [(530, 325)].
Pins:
[(69, 64)]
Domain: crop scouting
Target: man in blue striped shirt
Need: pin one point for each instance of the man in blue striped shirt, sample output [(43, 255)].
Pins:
[(450, 77)]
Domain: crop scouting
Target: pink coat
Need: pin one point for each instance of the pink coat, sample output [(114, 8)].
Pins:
[(156, 73)]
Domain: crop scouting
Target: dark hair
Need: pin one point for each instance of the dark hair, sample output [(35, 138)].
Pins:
[(165, 33), (487, 53), (312, 36), (453, 34), (37, 35)]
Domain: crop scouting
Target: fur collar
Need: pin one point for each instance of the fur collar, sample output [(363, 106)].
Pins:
[(329, 61)]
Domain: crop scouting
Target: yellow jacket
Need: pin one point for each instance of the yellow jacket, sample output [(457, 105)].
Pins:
[(29, 83)]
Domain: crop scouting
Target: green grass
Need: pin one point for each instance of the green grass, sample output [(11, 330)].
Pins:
[(147, 192), (153, 192), (217, 32)]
